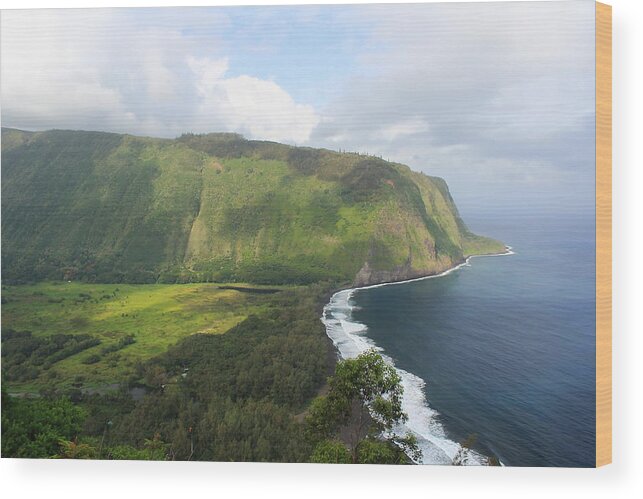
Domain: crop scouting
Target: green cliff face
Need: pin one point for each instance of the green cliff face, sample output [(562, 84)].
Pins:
[(116, 208)]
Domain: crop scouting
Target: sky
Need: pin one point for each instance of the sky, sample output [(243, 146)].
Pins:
[(497, 98)]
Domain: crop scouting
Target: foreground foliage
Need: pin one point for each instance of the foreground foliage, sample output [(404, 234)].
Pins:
[(34, 428), (363, 405)]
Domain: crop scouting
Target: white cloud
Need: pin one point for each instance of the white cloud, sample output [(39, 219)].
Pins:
[(42, 78), (255, 107), (473, 92), (403, 128), (102, 69)]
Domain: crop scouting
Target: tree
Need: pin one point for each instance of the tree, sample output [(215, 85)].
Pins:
[(330, 451), (35, 428), (363, 405), (73, 449), (154, 449)]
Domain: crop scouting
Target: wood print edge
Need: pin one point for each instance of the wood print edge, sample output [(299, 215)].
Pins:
[(603, 234)]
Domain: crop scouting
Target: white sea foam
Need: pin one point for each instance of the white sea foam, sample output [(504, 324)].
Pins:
[(350, 339)]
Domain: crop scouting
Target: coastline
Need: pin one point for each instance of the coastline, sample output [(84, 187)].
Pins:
[(350, 338), (508, 251)]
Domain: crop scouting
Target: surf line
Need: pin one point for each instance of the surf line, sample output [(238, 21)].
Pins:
[(350, 340), (509, 251)]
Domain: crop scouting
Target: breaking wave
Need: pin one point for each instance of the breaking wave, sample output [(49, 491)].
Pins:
[(350, 339)]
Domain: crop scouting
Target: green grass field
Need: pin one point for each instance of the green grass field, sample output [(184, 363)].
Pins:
[(156, 315)]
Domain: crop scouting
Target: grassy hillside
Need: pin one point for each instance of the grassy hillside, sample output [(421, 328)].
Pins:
[(103, 207), (95, 334)]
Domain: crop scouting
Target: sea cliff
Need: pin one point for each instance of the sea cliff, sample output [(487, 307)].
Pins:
[(104, 207)]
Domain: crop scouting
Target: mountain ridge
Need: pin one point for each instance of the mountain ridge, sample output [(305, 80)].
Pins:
[(106, 207)]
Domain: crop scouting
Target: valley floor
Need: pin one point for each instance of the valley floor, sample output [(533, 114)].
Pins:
[(221, 371), (149, 318)]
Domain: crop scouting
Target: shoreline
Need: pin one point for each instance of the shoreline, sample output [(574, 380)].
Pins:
[(350, 338), (508, 251)]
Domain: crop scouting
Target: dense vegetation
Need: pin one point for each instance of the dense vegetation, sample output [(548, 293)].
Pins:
[(25, 356), (35, 428), (101, 207), (363, 404), (244, 395), (235, 396)]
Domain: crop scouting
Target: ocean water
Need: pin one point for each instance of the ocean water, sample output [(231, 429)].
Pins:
[(502, 347)]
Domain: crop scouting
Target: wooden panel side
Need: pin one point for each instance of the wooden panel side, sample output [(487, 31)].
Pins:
[(603, 234)]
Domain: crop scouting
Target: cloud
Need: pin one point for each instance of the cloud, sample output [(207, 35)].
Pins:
[(142, 72), (497, 90), (494, 94), (255, 107), (42, 80)]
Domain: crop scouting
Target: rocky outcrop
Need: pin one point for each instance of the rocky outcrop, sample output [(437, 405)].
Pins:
[(368, 276)]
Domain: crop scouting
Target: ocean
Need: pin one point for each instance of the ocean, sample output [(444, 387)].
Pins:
[(499, 352)]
